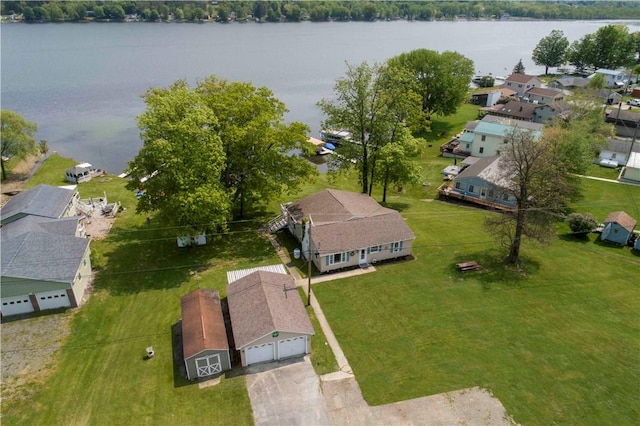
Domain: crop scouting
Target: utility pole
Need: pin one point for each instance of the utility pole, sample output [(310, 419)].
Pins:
[(309, 264)]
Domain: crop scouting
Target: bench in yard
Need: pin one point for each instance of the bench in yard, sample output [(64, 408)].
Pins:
[(468, 266)]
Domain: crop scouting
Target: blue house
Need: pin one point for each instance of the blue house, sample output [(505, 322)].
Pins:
[(482, 183), (618, 228)]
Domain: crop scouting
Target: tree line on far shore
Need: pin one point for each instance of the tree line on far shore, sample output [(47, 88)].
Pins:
[(317, 11)]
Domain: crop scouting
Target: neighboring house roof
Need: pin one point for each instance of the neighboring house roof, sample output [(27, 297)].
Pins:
[(516, 109), (42, 200), (541, 91), (42, 256), (345, 221), (608, 94), (622, 219), (529, 125), (486, 168), (607, 72), (634, 160), (572, 81), (520, 78), (202, 323), (263, 302), (623, 115), (621, 145), (501, 130), (64, 226)]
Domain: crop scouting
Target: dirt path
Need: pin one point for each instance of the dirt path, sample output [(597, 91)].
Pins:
[(17, 177)]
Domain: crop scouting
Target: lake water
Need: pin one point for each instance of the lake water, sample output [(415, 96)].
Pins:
[(81, 83)]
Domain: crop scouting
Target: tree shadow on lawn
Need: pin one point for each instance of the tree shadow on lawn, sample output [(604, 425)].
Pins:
[(496, 273), (140, 261), (576, 238), (396, 206)]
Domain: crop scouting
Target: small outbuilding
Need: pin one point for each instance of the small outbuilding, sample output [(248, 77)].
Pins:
[(618, 228), (204, 336), (268, 318)]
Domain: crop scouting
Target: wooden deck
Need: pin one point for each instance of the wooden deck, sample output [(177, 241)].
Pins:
[(315, 141)]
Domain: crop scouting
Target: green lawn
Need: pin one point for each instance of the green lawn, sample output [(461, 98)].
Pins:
[(558, 342)]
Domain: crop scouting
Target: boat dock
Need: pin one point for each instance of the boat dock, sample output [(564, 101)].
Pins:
[(315, 141)]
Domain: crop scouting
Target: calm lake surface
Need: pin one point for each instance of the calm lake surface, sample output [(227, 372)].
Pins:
[(81, 83)]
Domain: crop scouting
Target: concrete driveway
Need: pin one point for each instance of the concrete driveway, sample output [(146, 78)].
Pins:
[(286, 393)]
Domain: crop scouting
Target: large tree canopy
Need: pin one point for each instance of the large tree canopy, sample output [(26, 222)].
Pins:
[(373, 104), (441, 79), (257, 144), (210, 149), (611, 46), (551, 50), (537, 179), (16, 137)]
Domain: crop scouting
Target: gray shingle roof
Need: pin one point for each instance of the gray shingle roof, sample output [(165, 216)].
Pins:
[(541, 91), (42, 200), (259, 305), (345, 221), (64, 226), (42, 256)]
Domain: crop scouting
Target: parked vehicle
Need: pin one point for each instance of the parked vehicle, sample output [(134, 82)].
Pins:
[(633, 102)]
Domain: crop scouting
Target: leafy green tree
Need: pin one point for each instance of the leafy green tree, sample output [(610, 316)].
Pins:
[(28, 14), (98, 12), (181, 161), (396, 162), (581, 53), (614, 47), (519, 68), (487, 81), (581, 224), (43, 147), (55, 13), (373, 104), (539, 184), (16, 137), (441, 79), (597, 82), (551, 50), (256, 141)]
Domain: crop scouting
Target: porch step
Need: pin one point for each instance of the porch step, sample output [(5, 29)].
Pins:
[(277, 223)]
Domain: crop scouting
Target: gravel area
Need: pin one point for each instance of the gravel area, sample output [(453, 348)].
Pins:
[(29, 347)]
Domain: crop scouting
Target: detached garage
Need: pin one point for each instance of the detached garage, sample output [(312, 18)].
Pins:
[(204, 336), (268, 318)]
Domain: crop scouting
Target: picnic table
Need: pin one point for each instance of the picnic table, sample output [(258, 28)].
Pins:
[(468, 266)]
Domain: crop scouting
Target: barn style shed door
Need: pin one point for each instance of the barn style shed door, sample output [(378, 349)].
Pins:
[(208, 365)]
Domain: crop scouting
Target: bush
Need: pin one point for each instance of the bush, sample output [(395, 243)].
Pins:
[(582, 224)]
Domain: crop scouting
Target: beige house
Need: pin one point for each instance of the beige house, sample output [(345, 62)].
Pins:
[(347, 229), (520, 83)]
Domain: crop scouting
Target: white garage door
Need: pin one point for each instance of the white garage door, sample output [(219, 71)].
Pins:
[(259, 353), (208, 365), (53, 299), (16, 305), (292, 347)]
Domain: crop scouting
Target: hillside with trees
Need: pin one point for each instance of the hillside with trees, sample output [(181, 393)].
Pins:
[(317, 11)]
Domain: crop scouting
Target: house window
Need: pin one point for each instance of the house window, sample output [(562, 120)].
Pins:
[(468, 145), (484, 138), (458, 185), (471, 188), (396, 247), (337, 258), (613, 156), (491, 193), (374, 249), (481, 149)]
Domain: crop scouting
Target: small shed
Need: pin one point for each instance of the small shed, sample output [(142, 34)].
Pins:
[(618, 228), (79, 173), (631, 172), (204, 336)]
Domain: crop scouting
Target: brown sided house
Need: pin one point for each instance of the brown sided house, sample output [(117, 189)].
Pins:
[(204, 337), (268, 318), (347, 229)]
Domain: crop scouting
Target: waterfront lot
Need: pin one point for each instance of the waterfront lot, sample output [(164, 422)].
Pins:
[(556, 340)]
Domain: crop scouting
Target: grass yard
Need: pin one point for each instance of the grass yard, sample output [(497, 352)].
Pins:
[(557, 342)]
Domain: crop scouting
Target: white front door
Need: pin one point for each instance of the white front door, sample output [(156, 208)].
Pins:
[(208, 365), (16, 305), (53, 299), (363, 257), (292, 347), (259, 353)]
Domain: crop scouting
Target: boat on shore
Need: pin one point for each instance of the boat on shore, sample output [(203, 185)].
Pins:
[(335, 137)]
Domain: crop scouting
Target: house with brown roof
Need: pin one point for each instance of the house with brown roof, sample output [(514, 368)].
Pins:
[(346, 229), (204, 337), (520, 83), (540, 95), (618, 228), (490, 97), (568, 83), (268, 318), (516, 110)]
